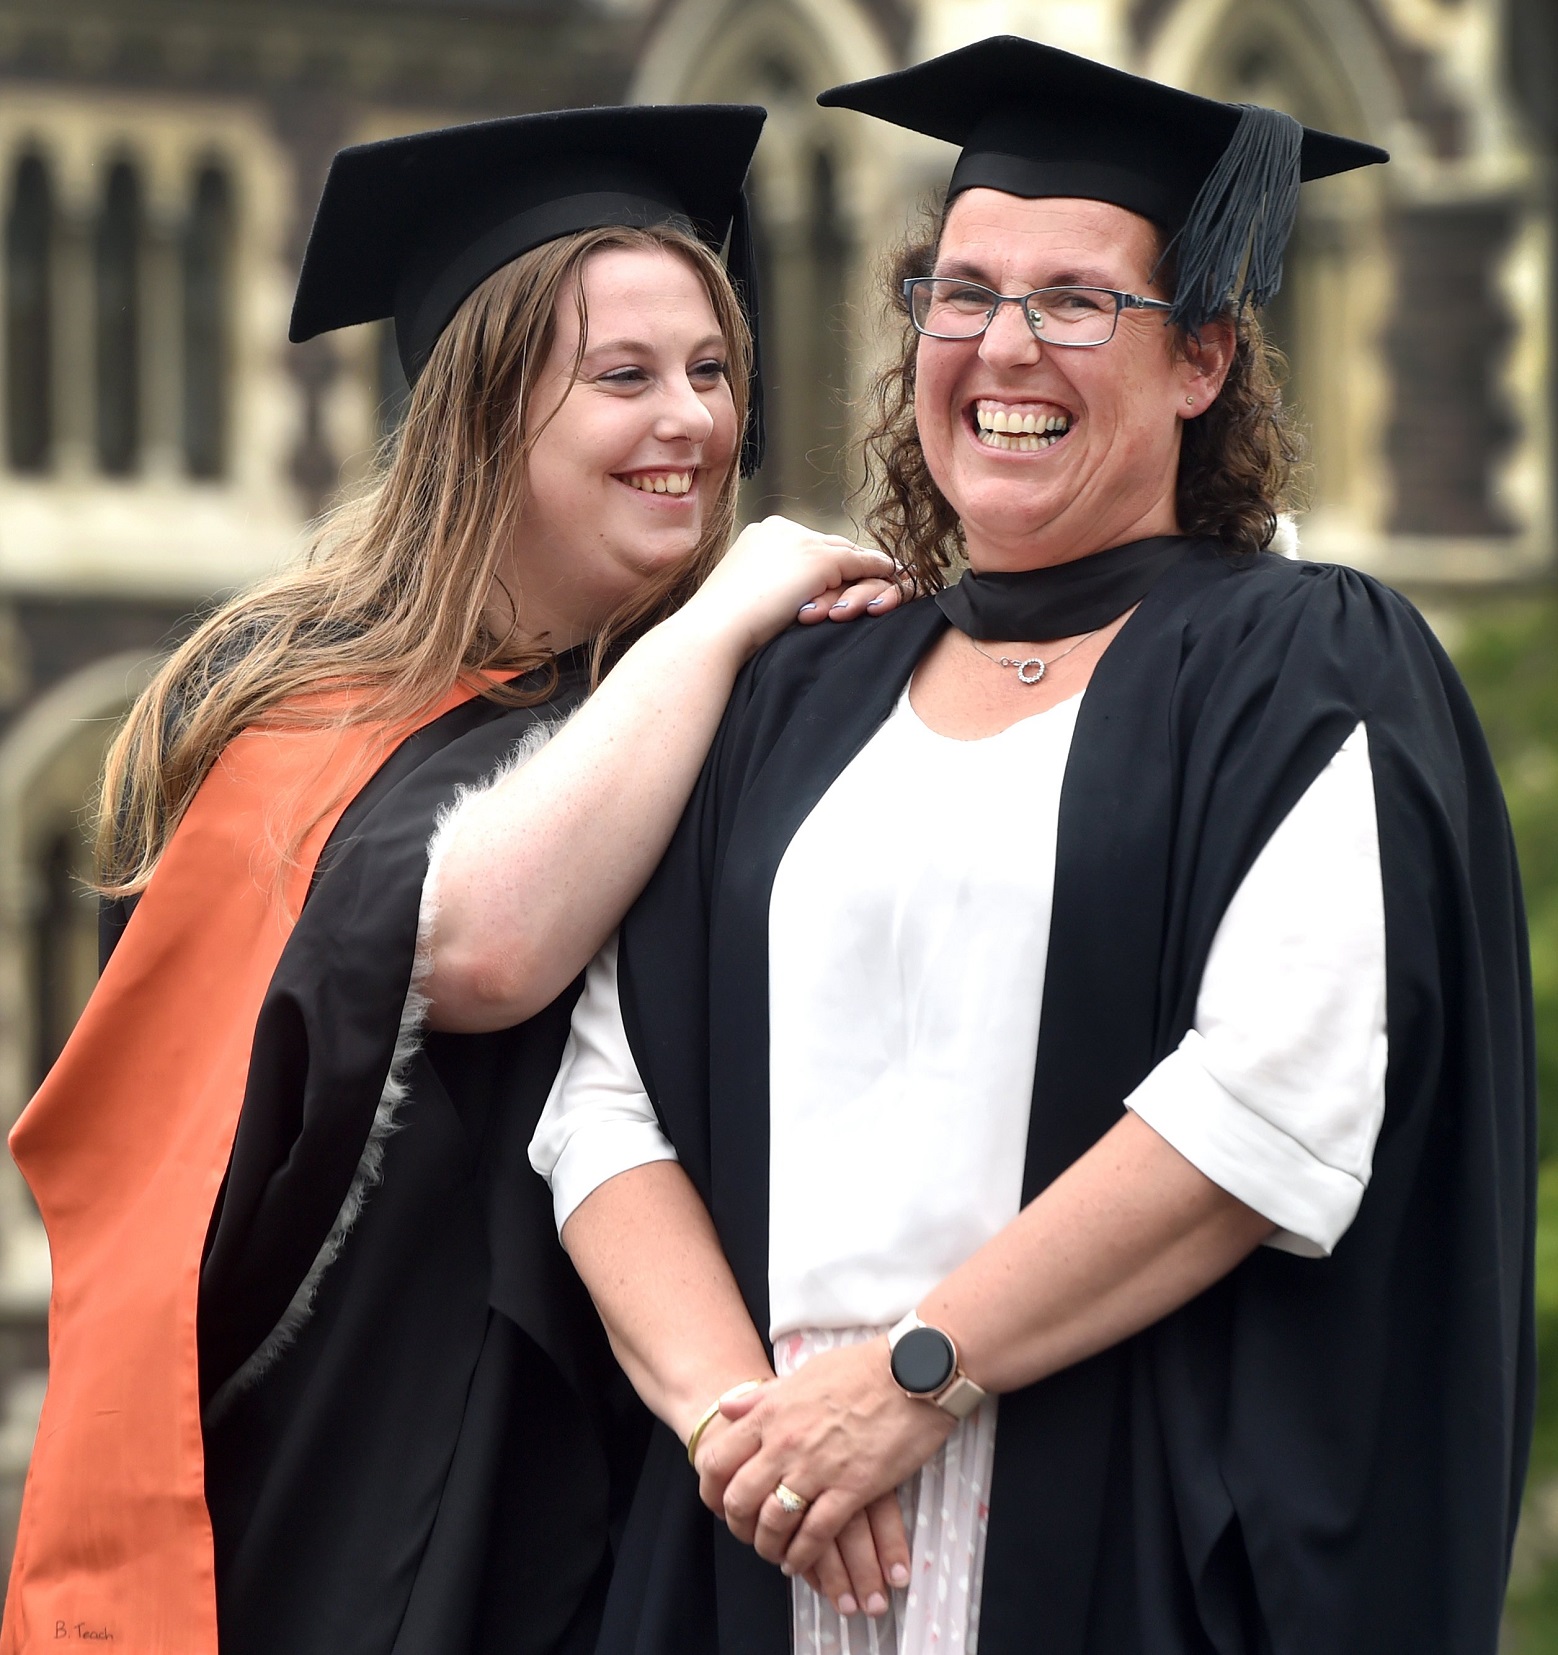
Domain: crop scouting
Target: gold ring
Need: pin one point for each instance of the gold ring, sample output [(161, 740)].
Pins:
[(790, 1502)]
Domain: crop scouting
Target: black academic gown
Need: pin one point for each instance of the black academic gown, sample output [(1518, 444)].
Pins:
[(427, 1469), (1314, 1457)]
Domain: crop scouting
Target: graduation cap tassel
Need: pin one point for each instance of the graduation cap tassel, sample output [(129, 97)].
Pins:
[(1232, 244), (741, 261)]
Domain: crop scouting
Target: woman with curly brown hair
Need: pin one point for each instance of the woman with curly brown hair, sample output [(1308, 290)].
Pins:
[(1079, 1032)]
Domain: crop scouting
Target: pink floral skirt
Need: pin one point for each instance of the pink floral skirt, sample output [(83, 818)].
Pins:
[(946, 1512)]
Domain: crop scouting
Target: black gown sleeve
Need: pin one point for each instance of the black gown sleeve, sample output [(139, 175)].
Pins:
[(327, 1031), (325, 1038), (1321, 1454), (1371, 1412)]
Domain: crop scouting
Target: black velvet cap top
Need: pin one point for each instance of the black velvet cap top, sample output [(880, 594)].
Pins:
[(1221, 179), (409, 227)]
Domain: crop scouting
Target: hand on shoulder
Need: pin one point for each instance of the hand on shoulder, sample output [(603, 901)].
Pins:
[(778, 571)]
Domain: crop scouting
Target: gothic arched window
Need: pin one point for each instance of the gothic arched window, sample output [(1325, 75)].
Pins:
[(208, 263), (117, 258), (29, 267)]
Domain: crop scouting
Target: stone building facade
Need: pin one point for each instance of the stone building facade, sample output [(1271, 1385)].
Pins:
[(161, 444)]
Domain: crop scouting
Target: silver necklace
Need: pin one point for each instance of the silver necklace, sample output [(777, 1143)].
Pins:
[(1031, 669)]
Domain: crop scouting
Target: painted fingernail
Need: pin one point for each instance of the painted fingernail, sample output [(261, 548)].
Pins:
[(876, 1604), (898, 1574), (806, 606), (875, 601), (847, 1604), (843, 603)]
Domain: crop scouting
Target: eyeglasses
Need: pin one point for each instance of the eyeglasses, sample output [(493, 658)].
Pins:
[(946, 307)]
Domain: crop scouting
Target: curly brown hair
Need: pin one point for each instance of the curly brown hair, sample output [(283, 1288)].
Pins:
[(1237, 467)]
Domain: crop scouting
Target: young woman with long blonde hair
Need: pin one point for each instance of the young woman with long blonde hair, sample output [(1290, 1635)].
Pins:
[(321, 1377)]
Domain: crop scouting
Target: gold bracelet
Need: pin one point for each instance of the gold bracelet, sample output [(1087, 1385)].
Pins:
[(706, 1418)]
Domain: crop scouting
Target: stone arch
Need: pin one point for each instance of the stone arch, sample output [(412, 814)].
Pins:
[(816, 192), (49, 761), (1319, 61), (1331, 60), (709, 49)]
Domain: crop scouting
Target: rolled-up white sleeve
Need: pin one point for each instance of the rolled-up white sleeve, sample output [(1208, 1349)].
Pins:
[(598, 1120), (1278, 1091)]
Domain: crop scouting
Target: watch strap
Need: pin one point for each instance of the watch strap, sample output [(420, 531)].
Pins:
[(902, 1326), (960, 1398)]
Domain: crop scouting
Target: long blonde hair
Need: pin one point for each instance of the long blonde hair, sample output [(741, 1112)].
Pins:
[(390, 603)]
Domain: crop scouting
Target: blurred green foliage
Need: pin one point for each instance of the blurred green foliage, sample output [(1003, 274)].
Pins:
[(1510, 663), (1509, 659)]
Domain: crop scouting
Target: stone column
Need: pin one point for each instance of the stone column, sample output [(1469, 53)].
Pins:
[(166, 186)]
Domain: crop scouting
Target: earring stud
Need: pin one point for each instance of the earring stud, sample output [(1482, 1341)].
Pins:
[(1190, 401)]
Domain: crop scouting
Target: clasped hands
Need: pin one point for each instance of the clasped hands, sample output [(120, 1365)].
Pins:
[(840, 1434)]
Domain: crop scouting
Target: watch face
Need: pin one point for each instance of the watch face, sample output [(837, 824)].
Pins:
[(924, 1361)]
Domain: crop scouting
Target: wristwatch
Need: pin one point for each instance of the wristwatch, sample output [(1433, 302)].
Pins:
[(924, 1363)]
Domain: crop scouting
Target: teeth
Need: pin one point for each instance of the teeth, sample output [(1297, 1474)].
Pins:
[(997, 422), (1020, 442), (677, 482)]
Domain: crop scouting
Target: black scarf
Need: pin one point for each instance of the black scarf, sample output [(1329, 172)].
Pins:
[(1064, 599)]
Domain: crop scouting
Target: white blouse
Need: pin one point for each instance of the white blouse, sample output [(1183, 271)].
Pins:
[(908, 940)]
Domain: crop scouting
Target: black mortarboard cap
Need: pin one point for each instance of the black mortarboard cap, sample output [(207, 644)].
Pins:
[(1220, 179), (408, 228)]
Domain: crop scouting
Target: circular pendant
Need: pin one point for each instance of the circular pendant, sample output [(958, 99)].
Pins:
[(1031, 670)]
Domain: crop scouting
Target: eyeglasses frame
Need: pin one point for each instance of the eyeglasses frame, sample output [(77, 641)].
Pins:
[(1122, 301)]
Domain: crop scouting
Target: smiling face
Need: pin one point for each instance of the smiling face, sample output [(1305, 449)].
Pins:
[(1048, 453), (620, 477)]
